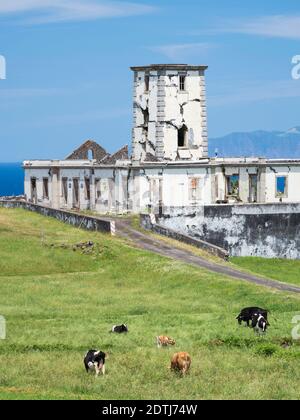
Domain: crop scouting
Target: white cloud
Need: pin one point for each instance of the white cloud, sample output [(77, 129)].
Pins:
[(278, 26), (181, 51), (51, 11), (14, 6), (256, 92)]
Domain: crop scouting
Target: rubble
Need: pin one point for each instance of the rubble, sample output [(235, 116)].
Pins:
[(86, 248)]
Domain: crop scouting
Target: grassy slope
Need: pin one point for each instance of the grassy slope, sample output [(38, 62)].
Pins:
[(286, 271), (58, 304)]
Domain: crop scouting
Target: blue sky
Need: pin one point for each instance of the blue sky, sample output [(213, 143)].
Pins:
[(68, 76)]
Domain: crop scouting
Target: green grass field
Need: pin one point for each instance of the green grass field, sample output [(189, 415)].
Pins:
[(59, 303), (286, 271)]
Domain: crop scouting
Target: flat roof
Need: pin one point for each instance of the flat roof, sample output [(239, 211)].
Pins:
[(169, 67), (230, 162)]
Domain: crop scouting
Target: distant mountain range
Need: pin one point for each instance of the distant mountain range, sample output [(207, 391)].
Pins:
[(269, 144)]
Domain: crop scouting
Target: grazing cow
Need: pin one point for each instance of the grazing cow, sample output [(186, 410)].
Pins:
[(247, 315), (163, 341), (94, 360), (260, 324), (120, 329), (181, 362)]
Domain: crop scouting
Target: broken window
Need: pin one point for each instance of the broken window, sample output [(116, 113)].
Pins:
[(33, 190), (194, 189), (156, 191), (146, 117), (253, 188), (182, 82), (90, 154), (65, 189), (46, 188), (147, 82), (76, 193), (87, 189), (281, 186), (233, 185), (183, 137), (98, 188)]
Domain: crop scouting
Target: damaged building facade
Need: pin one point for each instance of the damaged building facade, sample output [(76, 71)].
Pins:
[(168, 167)]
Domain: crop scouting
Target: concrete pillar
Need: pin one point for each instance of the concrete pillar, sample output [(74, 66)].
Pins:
[(135, 194), (261, 193), (214, 185), (244, 185), (70, 194), (93, 193), (112, 195), (118, 192), (82, 201), (55, 188)]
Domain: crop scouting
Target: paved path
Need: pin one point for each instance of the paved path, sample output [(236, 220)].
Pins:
[(144, 241)]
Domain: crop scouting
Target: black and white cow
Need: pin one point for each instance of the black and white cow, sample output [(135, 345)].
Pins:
[(119, 329), (260, 324), (94, 361), (247, 315)]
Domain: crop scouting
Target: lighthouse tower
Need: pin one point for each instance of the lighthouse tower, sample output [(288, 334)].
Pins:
[(169, 108)]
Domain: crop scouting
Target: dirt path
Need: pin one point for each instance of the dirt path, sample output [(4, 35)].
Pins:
[(144, 241)]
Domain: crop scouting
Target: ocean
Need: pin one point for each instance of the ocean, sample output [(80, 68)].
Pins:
[(11, 179)]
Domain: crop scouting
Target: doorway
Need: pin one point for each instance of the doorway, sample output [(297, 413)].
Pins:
[(65, 190), (156, 194), (33, 191), (76, 201)]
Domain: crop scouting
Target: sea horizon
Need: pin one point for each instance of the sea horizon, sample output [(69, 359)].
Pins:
[(11, 178)]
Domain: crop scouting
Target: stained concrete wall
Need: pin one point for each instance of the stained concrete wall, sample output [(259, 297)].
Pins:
[(270, 230), (84, 222), (146, 223)]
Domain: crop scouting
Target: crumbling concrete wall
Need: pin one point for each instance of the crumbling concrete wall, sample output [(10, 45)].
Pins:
[(164, 109), (270, 230), (82, 153), (67, 185)]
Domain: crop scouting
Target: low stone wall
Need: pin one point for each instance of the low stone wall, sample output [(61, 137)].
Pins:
[(263, 230), (78, 220), (170, 233)]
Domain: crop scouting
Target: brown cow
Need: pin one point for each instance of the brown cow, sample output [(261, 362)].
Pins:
[(181, 362), (163, 341)]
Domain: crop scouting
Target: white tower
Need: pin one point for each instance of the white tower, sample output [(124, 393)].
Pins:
[(170, 121)]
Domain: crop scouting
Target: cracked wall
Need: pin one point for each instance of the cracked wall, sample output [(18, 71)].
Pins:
[(163, 110)]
